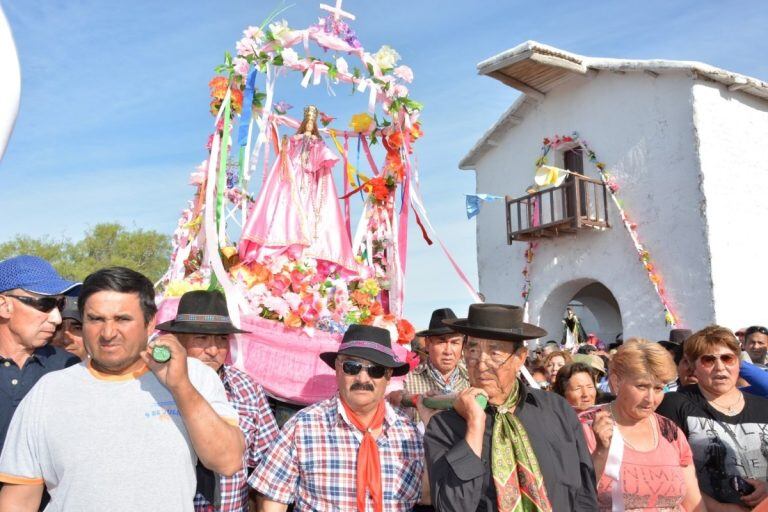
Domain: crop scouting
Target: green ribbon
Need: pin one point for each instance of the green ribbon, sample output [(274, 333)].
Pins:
[(221, 184)]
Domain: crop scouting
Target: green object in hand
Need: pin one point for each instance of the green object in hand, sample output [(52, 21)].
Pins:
[(161, 353), (440, 402)]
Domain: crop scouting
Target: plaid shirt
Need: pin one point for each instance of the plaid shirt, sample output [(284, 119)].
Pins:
[(424, 379), (259, 428), (314, 459)]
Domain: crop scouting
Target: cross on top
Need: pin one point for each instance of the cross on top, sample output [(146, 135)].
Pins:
[(337, 11)]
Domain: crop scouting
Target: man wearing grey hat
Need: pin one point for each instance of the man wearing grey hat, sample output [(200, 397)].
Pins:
[(30, 311)]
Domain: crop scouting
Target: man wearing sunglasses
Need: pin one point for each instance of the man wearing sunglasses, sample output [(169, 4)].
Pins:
[(351, 452), (30, 310)]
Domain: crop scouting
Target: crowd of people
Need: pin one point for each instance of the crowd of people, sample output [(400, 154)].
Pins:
[(91, 419)]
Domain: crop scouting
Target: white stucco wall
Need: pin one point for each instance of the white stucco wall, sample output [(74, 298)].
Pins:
[(732, 129), (641, 126)]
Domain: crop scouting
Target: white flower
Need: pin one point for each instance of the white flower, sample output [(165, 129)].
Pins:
[(386, 57), (290, 57), (280, 31), (342, 65)]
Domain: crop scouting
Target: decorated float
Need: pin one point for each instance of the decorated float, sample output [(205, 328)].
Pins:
[(271, 222)]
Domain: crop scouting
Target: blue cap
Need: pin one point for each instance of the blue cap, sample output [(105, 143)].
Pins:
[(34, 275)]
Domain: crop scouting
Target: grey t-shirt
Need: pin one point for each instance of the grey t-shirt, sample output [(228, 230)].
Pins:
[(108, 443)]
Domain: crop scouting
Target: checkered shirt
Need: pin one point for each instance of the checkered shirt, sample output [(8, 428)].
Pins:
[(314, 459), (259, 428), (421, 380)]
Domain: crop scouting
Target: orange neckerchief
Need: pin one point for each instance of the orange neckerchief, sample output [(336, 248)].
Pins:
[(368, 462)]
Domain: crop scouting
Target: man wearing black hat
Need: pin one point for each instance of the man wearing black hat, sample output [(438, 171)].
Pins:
[(351, 452), (69, 335), (203, 327), (526, 450), (443, 372)]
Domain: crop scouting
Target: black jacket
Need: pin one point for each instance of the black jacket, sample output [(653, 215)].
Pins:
[(461, 481)]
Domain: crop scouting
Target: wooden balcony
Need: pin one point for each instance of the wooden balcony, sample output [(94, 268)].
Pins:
[(579, 203)]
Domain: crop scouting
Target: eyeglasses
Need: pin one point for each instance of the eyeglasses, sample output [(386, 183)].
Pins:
[(375, 371), (708, 360), (42, 304), (754, 329), (494, 358)]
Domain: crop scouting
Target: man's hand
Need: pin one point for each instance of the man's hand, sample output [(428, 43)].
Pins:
[(468, 408), (758, 495), (425, 413), (173, 374), (395, 397)]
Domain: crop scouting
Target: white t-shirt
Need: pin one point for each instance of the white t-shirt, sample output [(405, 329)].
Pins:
[(108, 443)]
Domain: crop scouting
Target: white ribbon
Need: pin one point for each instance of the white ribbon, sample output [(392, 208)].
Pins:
[(613, 469)]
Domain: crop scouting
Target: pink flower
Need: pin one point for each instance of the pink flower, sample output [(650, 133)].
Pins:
[(290, 57), (293, 300), (245, 47), (241, 66), (404, 73), (253, 33), (399, 91), (277, 304), (279, 285)]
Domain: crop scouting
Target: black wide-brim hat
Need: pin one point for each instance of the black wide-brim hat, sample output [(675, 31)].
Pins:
[(496, 322), (370, 343), (436, 325), (201, 312), (676, 338)]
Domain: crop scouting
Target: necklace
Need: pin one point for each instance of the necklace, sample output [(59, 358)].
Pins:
[(729, 410), (650, 423)]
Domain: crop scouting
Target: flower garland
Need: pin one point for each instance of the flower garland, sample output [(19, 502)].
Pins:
[(307, 293), (548, 144)]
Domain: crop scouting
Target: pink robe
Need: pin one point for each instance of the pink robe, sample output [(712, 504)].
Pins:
[(297, 212)]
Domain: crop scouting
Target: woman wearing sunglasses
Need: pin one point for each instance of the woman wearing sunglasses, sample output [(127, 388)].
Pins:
[(726, 428)]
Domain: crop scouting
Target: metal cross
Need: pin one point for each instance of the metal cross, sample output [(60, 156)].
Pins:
[(337, 11)]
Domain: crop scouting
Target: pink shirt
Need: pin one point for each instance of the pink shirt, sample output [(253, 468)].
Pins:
[(650, 481)]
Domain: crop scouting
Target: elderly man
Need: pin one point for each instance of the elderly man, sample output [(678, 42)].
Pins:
[(351, 452), (30, 311), (443, 372), (203, 327), (756, 344), (69, 335), (120, 431), (526, 450)]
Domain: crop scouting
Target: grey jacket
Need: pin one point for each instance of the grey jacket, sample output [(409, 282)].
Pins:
[(461, 481)]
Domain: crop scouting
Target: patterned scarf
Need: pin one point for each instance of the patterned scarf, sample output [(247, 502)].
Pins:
[(368, 461), (449, 386), (516, 473)]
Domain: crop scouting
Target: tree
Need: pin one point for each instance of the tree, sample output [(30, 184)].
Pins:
[(104, 245)]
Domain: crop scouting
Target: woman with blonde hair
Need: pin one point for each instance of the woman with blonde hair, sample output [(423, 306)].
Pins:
[(726, 428), (642, 460), (553, 362)]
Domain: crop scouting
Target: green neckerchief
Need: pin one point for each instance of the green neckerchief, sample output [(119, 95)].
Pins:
[(516, 472)]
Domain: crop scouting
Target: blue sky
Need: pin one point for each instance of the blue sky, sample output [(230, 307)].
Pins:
[(114, 112)]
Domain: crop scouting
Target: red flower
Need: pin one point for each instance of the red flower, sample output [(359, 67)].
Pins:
[(279, 285), (405, 331)]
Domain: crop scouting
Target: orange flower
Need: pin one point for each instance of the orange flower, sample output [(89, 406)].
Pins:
[(378, 188), (218, 87), (237, 100), (292, 320), (416, 131), (405, 331), (376, 309), (362, 299), (394, 163), (395, 140)]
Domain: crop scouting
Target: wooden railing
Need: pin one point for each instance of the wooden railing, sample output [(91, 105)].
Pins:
[(580, 202)]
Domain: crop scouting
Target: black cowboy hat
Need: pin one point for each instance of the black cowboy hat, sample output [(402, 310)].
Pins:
[(370, 343), (201, 312), (676, 338), (496, 322), (436, 325)]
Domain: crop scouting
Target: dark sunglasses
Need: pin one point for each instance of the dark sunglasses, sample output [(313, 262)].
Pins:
[(42, 304), (375, 371), (754, 329), (708, 360)]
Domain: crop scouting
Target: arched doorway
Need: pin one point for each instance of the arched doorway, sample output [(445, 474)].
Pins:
[(598, 310), (591, 301)]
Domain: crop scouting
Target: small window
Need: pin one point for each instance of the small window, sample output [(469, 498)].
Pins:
[(573, 160)]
